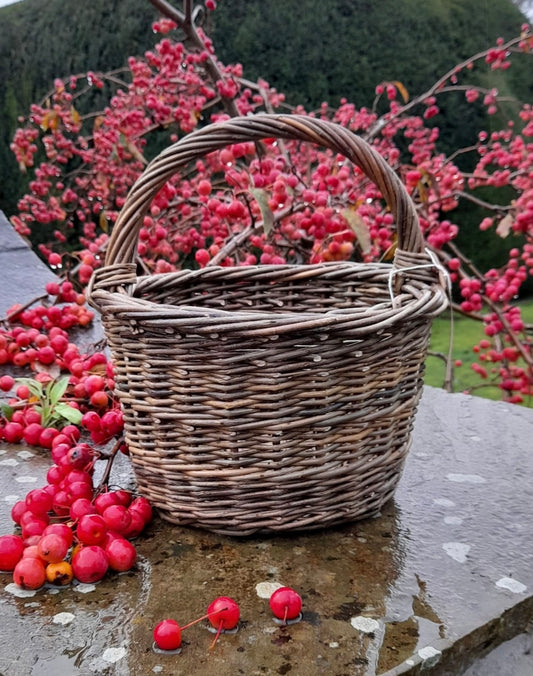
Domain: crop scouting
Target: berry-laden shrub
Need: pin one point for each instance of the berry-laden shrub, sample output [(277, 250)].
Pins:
[(281, 201)]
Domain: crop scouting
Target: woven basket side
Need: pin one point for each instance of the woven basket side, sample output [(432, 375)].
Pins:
[(267, 435)]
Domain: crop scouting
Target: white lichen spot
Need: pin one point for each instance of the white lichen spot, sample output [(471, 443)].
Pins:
[(266, 589), (457, 550), (410, 662), (466, 478), (443, 502), (365, 624), (9, 462), (84, 588), (25, 455), (14, 589), (511, 584), (113, 655), (11, 499), (63, 618), (157, 669), (453, 520), (26, 479), (334, 644), (429, 655)]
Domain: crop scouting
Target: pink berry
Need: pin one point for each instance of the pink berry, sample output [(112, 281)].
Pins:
[(117, 518), (90, 564), (285, 603), (11, 548), (167, 635), (121, 554), (223, 611), (105, 500), (52, 548), (39, 501), (6, 383), (91, 529), (144, 508), (60, 529), (29, 573), (13, 432), (81, 507)]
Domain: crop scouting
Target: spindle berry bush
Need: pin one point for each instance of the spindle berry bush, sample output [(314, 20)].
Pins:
[(288, 204)]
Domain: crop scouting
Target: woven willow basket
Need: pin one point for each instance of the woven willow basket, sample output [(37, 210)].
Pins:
[(269, 398)]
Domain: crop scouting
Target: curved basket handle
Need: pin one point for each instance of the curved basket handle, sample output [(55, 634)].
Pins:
[(122, 245)]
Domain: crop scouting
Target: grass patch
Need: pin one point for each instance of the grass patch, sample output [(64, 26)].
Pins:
[(466, 334)]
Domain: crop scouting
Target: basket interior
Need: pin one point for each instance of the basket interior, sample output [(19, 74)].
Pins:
[(362, 290)]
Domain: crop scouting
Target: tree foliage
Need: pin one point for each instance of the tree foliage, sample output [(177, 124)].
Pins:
[(286, 203), (311, 50)]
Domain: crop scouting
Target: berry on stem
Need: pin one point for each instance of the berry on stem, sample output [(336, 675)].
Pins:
[(286, 604), (167, 635)]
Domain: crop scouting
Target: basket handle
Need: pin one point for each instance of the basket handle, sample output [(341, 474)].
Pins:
[(122, 245)]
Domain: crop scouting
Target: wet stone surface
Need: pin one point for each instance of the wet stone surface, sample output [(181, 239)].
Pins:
[(444, 575)]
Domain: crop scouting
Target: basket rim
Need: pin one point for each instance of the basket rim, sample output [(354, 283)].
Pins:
[(416, 299)]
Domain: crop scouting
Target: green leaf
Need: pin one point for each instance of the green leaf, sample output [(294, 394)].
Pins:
[(57, 389), (7, 411), (261, 197), (71, 414), (34, 386)]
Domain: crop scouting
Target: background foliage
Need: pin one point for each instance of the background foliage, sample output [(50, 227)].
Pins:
[(311, 50)]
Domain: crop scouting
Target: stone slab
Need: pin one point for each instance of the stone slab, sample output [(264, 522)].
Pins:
[(444, 575), (22, 274), (441, 578)]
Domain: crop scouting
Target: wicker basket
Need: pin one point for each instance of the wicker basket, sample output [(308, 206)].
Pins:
[(269, 398)]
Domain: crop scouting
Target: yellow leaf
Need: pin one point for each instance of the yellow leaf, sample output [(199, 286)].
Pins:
[(50, 121), (504, 226), (389, 254), (45, 122), (75, 116), (403, 91), (358, 225), (103, 222), (135, 152)]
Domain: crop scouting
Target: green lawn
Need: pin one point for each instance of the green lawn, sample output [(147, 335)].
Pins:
[(466, 333)]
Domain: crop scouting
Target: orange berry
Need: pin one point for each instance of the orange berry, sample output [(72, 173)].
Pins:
[(59, 573)]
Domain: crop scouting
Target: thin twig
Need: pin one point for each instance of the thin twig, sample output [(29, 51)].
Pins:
[(436, 88), (110, 458), (14, 313)]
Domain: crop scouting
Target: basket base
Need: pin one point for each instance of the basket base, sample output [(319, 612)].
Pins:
[(300, 525)]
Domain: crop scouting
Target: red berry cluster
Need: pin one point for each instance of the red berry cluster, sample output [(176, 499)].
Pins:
[(67, 530), (37, 338)]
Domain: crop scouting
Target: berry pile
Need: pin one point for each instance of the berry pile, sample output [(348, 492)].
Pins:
[(70, 531)]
